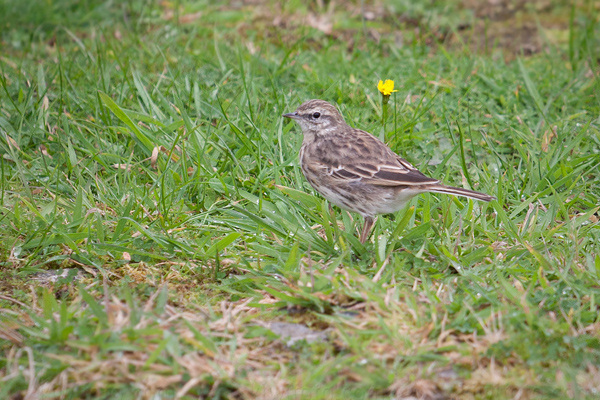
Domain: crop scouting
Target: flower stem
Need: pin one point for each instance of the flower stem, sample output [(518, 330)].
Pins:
[(395, 114), (384, 113)]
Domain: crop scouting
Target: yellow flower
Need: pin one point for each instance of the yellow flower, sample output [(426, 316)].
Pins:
[(386, 88)]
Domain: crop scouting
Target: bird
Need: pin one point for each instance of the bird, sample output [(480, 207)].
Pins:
[(356, 171)]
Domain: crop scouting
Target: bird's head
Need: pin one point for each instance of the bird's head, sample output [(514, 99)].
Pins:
[(317, 117)]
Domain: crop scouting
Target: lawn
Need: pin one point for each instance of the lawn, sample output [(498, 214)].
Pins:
[(158, 239)]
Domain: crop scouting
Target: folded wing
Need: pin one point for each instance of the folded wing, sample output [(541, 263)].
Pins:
[(400, 173)]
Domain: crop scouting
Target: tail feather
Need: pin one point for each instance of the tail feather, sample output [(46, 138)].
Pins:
[(460, 192)]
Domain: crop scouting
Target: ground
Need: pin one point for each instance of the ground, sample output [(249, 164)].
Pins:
[(159, 240)]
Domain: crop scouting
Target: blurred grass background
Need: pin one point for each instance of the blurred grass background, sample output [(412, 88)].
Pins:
[(156, 229)]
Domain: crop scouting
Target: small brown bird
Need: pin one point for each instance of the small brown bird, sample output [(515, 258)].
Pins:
[(356, 171)]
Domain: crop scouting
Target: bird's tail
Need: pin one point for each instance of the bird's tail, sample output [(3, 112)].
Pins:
[(460, 192)]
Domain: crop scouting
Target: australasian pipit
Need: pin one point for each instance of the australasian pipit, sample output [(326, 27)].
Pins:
[(356, 171)]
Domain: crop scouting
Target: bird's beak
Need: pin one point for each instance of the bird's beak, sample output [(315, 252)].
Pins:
[(293, 115)]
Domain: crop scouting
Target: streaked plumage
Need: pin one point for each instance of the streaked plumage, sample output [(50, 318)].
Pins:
[(356, 171)]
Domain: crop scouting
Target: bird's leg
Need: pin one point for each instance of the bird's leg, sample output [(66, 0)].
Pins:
[(366, 229)]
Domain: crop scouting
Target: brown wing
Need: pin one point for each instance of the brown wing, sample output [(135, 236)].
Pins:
[(369, 160), (378, 174)]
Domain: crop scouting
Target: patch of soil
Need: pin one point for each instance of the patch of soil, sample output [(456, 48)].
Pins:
[(513, 25)]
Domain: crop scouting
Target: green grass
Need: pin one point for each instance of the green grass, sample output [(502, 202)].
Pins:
[(143, 146)]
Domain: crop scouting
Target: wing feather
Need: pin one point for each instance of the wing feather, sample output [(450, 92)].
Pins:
[(384, 175), (370, 161)]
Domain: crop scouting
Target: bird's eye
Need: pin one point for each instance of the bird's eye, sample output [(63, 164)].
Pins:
[(316, 115)]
